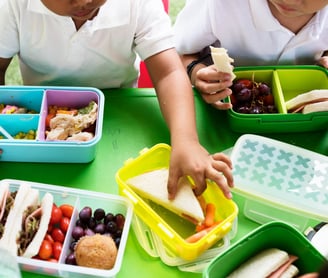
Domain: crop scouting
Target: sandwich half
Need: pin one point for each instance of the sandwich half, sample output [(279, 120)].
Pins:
[(270, 263), (312, 101), (153, 186), (222, 61), (25, 197)]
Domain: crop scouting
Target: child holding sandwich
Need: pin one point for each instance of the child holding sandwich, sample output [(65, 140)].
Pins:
[(255, 33), (95, 43)]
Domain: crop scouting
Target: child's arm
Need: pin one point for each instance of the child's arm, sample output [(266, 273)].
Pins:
[(4, 63), (176, 101)]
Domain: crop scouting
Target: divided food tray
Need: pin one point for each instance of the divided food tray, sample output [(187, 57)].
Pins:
[(286, 82), (39, 149), (280, 181), (79, 199)]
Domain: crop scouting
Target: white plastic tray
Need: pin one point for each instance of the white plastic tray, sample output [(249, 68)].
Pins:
[(78, 198)]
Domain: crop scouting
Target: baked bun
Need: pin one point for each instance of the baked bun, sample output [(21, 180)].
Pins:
[(97, 251)]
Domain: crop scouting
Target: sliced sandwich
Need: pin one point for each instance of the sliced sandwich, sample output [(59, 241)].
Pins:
[(25, 197), (312, 101), (27, 221), (222, 61), (34, 227), (269, 263), (153, 186)]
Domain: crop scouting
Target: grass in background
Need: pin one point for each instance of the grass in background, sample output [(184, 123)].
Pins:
[(13, 75)]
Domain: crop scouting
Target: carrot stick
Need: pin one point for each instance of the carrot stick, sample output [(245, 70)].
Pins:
[(200, 227), (197, 236), (209, 214)]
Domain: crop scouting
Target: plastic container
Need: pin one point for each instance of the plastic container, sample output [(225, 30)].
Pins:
[(286, 82), (79, 199), (157, 248), (39, 149), (280, 181), (271, 235), (169, 227)]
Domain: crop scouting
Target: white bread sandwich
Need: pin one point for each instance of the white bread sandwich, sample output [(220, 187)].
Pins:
[(312, 101), (35, 226), (271, 262), (25, 225), (222, 61), (153, 186)]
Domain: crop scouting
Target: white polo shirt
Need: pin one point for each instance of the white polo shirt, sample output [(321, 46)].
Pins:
[(102, 53), (249, 31)]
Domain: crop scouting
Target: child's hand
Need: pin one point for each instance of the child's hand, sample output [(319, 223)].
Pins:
[(193, 160), (323, 61), (213, 86)]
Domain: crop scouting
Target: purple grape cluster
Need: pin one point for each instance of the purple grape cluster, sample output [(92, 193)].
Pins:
[(95, 222), (250, 97)]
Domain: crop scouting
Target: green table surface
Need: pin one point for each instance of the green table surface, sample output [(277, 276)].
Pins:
[(133, 121)]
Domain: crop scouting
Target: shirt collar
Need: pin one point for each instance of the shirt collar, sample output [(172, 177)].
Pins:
[(112, 14)]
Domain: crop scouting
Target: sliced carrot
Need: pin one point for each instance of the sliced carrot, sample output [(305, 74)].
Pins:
[(209, 214), (201, 233), (200, 227), (197, 236)]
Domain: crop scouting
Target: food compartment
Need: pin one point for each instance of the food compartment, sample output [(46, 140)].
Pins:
[(300, 81), (19, 127), (250, 99), (78, 115), (20, 100), (60, 196), (115, 223), (171, 228), (271, 235), (78, 199)]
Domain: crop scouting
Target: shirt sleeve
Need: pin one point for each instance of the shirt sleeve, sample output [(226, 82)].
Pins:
[(192, 29), (154, 31), (9, 42)]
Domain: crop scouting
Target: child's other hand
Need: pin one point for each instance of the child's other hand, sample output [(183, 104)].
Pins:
[(323, 61), (193, 160), (213, 86)]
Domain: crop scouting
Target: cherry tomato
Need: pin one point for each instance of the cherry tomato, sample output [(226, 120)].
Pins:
[(52, 260), (49, 238), (57, 248), (67, 210), (58, 235), (45, 251), (64, 223), (56, 215)]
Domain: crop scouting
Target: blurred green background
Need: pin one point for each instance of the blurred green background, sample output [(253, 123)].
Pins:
[(13, 76)]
